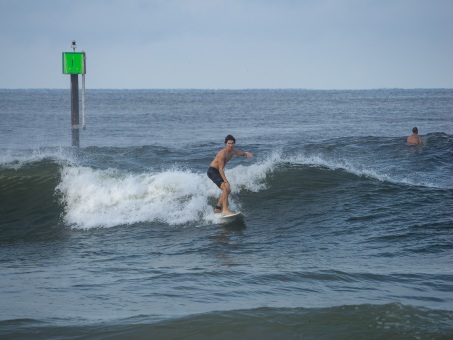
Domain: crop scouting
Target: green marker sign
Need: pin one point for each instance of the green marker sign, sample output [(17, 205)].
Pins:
[(74, 63)]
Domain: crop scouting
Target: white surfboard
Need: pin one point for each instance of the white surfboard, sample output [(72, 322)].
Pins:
[(229, 217)]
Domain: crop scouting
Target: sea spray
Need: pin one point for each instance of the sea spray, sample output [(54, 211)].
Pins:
[(96, 198)]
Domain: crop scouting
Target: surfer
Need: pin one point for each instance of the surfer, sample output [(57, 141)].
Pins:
[(414, 139), (217, 175)]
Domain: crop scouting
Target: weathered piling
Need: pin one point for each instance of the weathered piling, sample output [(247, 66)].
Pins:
[(75, 110)]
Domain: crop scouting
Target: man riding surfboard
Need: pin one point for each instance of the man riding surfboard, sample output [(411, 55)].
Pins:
[(217, 175)]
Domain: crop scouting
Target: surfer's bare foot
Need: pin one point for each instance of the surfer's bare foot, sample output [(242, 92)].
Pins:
[(228, 212), (217, 209)]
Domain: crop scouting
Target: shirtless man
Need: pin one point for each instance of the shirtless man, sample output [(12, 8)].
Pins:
[(217, 175), (414, 139)]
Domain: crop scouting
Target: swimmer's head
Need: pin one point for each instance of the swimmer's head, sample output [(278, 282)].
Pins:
[(415, 130)]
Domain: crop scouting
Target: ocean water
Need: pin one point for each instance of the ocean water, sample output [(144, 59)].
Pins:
[(348, 231)]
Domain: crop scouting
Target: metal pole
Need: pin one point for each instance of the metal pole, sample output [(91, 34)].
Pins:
[(83, 101), (75, 109)]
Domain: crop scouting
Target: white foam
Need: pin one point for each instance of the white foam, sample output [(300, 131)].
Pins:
[(364, 170), (96, 198), (252, 177), (317, 160)]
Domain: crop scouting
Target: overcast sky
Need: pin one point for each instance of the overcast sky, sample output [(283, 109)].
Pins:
[(230, 44)]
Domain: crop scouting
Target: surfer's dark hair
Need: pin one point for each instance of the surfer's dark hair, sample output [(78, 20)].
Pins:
[(230, 137), (415, 130)]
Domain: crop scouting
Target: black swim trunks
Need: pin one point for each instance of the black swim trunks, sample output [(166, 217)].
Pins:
[(214, 175)]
